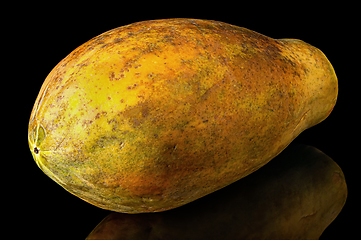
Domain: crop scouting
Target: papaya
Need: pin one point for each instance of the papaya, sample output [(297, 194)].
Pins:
[(294, 197), (153, 115)]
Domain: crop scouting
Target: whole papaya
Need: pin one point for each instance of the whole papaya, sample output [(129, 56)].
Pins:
[(153, 115)]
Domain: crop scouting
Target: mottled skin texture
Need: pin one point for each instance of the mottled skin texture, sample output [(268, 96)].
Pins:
[(153, 115), (294, 197)]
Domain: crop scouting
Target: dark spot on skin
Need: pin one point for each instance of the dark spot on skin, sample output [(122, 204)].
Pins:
[(36, 150), (145, 111), (111, 76), (117, 40), (99, 114), (59, 98), (106, 141), (136, 122)]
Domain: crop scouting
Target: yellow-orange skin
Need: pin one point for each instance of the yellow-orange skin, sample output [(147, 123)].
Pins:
[(153, 115)]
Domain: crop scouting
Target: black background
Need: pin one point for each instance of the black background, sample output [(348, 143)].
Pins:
[(37, 37)]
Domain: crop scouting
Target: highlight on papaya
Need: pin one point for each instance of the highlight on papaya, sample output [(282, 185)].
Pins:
[(156, 114)]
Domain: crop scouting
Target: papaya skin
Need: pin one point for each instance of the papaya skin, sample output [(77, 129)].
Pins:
[(153, 115), (294, 197)]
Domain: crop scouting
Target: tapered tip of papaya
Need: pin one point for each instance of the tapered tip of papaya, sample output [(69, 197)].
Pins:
[(322, 83)]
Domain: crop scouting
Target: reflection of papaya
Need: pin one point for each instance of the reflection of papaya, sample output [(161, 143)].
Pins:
[(295, 196), (153, 115)]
